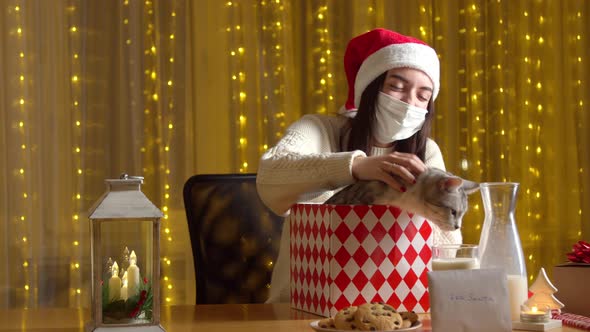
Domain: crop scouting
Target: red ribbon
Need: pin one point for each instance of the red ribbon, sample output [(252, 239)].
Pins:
[(580, 253), (142, 297)]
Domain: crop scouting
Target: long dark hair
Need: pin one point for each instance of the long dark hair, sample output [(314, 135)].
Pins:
[(361, 126)]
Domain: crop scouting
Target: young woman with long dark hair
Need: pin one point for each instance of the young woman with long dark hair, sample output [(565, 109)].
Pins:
[(381, 133)]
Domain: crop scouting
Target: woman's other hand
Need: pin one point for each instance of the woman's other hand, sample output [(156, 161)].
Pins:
[(389, 169)]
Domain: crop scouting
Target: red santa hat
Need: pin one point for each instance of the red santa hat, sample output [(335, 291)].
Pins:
[(377, 51)]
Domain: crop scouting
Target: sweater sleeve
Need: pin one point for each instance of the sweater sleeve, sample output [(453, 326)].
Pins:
[(304, 165), (433, 157)]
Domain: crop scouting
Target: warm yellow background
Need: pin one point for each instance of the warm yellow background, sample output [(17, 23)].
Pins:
[(171, 88)]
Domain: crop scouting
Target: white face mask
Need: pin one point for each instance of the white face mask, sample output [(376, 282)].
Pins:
[(396, 120)]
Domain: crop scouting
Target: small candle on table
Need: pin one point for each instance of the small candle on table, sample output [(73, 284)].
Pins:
[(534, 315), (115, 284)]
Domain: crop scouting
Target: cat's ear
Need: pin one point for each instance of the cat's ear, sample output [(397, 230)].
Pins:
[(451, 183), (469, 187)]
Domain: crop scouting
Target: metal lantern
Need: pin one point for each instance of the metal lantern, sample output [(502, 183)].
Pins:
[(125, 259)]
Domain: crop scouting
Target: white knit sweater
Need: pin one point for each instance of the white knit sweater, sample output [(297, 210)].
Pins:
[(307, 165)]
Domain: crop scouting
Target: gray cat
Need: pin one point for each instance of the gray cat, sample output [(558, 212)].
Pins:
[(438, 196)]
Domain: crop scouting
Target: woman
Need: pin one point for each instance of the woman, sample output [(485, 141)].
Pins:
[(382, 133)]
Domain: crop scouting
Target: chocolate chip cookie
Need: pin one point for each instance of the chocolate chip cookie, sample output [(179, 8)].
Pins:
[(327, 323), (344, 319), (377, 317)]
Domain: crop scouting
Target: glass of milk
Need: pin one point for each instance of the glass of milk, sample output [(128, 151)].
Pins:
[(455, 257)]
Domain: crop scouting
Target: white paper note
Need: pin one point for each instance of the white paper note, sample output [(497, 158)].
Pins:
[(469, 300)]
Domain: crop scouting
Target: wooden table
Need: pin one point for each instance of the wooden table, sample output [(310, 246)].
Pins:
[(202, 318)]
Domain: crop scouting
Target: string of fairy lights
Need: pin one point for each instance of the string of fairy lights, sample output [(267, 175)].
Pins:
[(238, 82), (577, 45), (75, 70), (273, 59), (472, 97), (168, 108), (322, 58), (158, 111), (371, 14), (468, 84), (533, 89), (273, 73), (22, 219)]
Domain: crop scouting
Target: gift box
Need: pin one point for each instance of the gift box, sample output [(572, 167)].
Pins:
[(573, 287), (344, 255), (571, 280)]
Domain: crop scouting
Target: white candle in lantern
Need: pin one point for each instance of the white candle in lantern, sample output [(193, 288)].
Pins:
[(124, 288), (132, 275), (115, 284)]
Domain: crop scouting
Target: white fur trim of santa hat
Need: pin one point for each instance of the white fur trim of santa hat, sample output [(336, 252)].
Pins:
[(406, 55)]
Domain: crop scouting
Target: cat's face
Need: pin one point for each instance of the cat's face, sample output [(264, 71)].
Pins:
[(444, 198)]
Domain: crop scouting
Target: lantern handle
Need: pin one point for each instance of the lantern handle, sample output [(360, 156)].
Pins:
[(125, 176)]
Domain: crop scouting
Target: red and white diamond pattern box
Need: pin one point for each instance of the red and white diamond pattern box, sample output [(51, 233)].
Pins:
[(344, 255)]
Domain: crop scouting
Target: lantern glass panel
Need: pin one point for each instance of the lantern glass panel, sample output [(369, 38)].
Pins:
[(126, 249)]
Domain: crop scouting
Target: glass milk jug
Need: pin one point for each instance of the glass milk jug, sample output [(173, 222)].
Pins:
[(499, 243)]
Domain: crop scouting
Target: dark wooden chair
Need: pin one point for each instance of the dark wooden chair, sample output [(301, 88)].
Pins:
[(234, 238)]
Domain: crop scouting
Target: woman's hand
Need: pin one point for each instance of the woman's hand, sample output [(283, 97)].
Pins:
[(389, 169)]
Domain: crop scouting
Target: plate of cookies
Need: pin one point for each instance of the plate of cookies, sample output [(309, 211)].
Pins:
[(369, 317)]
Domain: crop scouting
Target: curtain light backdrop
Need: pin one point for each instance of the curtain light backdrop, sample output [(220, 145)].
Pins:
[(170, 88), (90, 89)]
